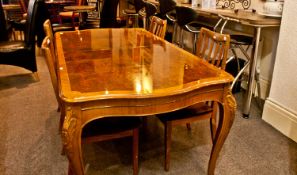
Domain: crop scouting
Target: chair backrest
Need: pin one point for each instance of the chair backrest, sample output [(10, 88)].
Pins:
[(185, 15), (36, 15), (47, 47), (158, 26), (213, 47), (24, 5), (3, 25), (150, 9), (138, 4), (81, 2), (166, 6), (48, 30)]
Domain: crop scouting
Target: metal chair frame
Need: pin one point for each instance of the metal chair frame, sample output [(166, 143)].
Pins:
[(223, 22)]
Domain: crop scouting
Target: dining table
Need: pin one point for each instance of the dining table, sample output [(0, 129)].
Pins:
[(131, 72)]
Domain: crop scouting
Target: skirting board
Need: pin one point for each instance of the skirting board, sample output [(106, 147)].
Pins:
[(264, 86), (280, 118)]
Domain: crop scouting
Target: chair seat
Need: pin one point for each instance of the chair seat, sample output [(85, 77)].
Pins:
[(241, 39), (110, 125), (7, 47), (189, 112)]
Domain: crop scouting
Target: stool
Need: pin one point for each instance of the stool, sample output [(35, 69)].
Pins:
[(167, 11), (187, 19), (147, 12), (238, 41), (132, 14)]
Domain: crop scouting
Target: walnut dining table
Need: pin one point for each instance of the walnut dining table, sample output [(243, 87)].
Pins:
[(131, 72)]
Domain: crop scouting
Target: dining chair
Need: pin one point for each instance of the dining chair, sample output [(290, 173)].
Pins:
[(188, 20), (22, 53), (167, 11), (103, 129), (158, 26), (213, 48), (7, 27), (19, 25), (49, 52), (52, 66)]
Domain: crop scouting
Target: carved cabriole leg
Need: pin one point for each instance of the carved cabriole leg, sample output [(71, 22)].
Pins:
[(227, 113), (213, 121), (71, 138), (62, 116)]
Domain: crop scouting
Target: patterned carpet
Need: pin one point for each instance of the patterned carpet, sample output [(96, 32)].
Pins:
[(30, 143)]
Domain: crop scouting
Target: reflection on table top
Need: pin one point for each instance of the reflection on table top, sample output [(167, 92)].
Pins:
[(113, 63), (79, 8)]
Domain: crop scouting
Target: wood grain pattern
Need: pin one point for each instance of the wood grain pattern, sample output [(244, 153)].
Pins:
[(131, 72)]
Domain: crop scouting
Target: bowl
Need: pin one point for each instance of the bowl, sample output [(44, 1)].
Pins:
[(274, 8)]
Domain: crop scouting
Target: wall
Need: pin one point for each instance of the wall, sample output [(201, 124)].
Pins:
[(280, 109)]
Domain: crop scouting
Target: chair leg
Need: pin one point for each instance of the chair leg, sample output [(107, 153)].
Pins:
[(213, 121), (174, 32), (194, 43), (36, 77), (135, 25), (60, 19), (181, 38), (135, 150), (62, 116), (167, 137), (144, 123), (145, 23), (189, 126), (70, 170)]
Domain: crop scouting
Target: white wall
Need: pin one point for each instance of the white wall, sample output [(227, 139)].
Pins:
[(280, 108)]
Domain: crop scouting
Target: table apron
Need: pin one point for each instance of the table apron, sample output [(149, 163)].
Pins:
[(146, 106)]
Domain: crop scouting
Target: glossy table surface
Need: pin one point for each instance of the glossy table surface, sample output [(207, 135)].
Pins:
[(142, 64), (131, 72)]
